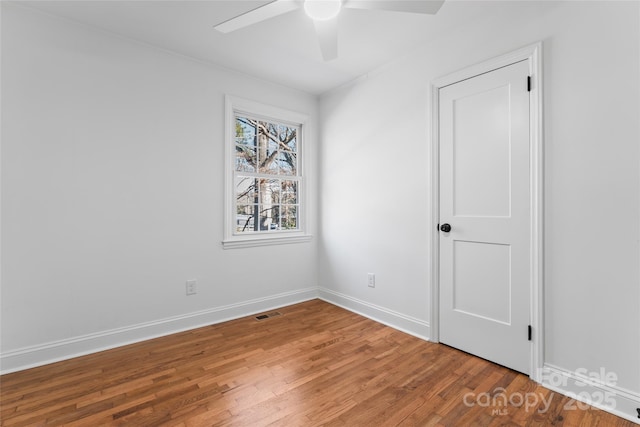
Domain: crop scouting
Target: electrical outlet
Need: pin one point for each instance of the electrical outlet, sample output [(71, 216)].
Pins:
[(192, 287), (371, 280)]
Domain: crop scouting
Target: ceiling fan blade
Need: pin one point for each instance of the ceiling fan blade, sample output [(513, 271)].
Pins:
[(429, 7), (327, 32), (269, 10)]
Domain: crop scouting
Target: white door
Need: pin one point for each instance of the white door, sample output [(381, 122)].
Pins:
[(485, 200)]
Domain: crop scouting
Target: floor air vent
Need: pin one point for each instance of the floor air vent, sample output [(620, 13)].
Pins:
[(268, 315)]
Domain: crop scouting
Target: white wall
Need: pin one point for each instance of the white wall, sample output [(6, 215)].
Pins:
[(112, 193), (375, 195)]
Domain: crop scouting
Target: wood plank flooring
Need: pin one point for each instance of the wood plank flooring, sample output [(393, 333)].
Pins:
[(314, 365)]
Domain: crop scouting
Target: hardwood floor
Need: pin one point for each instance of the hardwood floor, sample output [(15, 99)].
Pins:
[(313, 365)]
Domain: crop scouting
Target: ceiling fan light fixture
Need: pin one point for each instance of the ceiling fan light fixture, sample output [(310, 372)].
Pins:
[(322, 10)]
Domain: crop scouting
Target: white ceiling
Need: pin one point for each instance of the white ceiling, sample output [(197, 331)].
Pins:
[(283, 49)]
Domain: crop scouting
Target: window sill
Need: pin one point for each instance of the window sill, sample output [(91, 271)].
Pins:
[(256, 241)]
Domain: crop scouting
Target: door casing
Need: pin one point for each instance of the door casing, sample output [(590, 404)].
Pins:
[(533, 55)]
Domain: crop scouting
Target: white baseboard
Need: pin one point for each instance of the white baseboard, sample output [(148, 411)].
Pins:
[(594, 388), (410, 325), (30, 357)]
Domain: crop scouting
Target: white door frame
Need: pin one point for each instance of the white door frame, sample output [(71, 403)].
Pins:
[(532, 54)]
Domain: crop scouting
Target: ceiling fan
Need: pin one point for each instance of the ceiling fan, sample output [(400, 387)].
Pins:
[(324, 14)]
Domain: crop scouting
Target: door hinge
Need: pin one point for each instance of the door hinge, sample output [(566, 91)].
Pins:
[(529, 332), (528, 83)]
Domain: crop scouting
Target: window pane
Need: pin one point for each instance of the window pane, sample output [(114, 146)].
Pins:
[(271, 161), (270, 191), (269, 215), (287, 163), (293, 144), (275, 218), (289, 194), (246, 190), (245, 145), (267, 149), (269, 196), (245, 159), (289, 217), (245, 218), (287, 136)]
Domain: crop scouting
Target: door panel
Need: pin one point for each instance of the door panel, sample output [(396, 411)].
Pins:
[(485, 165), (482, 280), (485, 197)]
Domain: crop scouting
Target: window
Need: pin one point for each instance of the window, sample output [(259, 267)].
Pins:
[(265, 185)]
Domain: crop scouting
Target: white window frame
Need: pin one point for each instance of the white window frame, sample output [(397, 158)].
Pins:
[(235, 105)]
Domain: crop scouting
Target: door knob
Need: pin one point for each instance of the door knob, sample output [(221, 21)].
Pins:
[(445, 228)]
